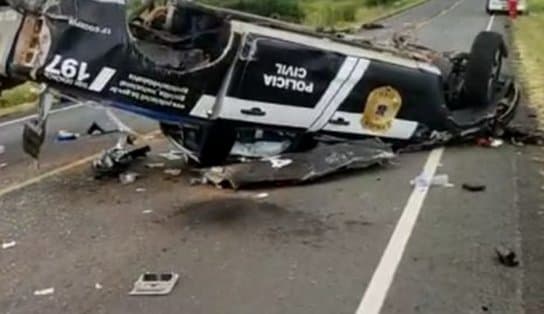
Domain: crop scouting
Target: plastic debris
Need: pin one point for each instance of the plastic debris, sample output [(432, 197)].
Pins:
[(278, 163), (3, 165), (439, 180), (155, 284), (8, 245), (141, 190), (173, 172), (155, 165), (262, 195), (65, 136), (43, 292), (507, 257), (172, 156), (496, 143), (147, 212), (96, 129), (98, 286), (128, 177), (472, 187)]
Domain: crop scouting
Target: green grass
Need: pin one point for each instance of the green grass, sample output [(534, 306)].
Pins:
[(529, 42), (19, 95)]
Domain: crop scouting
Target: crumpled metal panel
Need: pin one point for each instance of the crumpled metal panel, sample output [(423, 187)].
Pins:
[(296, 168)]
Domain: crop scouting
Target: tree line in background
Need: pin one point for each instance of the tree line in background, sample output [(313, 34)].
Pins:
[(327, 12)]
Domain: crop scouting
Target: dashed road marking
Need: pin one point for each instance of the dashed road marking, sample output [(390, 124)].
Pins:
[(382, 278), (490, 24)]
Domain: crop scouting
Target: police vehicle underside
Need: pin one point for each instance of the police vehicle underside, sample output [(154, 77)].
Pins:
[(212, 76)]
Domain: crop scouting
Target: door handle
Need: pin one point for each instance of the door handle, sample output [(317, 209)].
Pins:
[(339, 121), (255, 111)]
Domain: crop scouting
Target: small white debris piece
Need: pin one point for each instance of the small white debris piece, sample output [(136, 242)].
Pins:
[(2, 149), (8, 245), (261, 195), (141, 190), (3, 165), (128, 177), (495, 143), (173, 172), (47, 291), (155, 284), (147, 212), (97, 286), (155, 165), (278, 163), (439, 180), (171, 155)]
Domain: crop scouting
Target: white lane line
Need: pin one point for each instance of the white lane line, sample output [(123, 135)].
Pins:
[(490, 24), (382, 278), (19, 120)]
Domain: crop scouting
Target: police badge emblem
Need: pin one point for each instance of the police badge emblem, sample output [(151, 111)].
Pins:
[(382, 106)]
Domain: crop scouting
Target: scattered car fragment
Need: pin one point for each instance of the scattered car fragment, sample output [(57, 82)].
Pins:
[(44, 292), (117, 160), (8, 245), (155, 284), (234, 71), (304, 167), (473, 187), (507, 257)]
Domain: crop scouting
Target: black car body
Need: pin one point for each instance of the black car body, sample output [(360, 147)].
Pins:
[(205, 73)]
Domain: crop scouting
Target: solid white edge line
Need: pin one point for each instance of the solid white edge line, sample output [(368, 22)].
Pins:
[(490, 24), (15, 121), (382, 278)]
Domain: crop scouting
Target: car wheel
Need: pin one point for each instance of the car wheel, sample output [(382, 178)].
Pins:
[(483, 68)]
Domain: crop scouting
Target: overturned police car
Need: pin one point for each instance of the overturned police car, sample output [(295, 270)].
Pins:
[(208, 75)]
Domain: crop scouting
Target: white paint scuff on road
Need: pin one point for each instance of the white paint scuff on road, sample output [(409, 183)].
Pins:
[(382, 278), (490, 24)]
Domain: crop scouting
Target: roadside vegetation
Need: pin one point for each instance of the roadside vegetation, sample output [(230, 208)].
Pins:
[(528, 34)]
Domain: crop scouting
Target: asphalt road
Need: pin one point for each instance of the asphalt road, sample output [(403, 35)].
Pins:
[(349, 244)]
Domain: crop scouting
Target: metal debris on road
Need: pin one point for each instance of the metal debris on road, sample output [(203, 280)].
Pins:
[(141, 190), (304, 167), (147, 212), (8, 245), (66, 136), (43, 292), (155, 284), (116, 160), (173, 172), (473, 187), (506, 256), (155, 165), (128, 177)]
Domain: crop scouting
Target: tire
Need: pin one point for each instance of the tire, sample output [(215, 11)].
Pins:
[(483, 69)]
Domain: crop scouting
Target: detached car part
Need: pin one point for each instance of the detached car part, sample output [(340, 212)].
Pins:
[(204, 73)]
